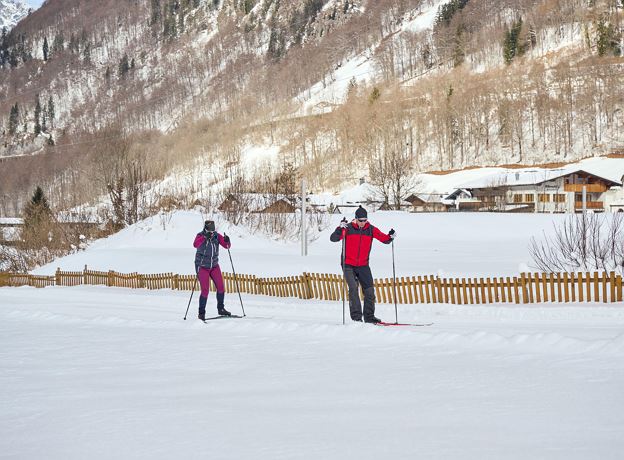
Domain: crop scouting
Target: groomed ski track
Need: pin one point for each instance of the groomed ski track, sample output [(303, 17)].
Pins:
[(95, 372)]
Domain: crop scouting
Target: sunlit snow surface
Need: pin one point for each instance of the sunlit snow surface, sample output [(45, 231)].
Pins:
[(100, 373)]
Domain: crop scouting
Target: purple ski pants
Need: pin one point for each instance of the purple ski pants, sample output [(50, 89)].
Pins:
[(205, 274)]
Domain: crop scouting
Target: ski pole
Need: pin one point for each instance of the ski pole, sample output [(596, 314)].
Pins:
[(236, 282), (396, 314), (344, 276), (191, 298)]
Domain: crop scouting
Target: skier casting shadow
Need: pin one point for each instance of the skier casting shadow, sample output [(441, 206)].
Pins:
[(207, 266), (358, 235)]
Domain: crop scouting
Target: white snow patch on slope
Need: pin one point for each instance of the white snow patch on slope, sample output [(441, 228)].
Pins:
[(334, 90), (12, 12), (425, 16)]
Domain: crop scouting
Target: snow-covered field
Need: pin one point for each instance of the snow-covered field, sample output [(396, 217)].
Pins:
[(451, 244), (100, 373), (95, 372)]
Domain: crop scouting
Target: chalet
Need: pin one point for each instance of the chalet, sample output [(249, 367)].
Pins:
[(556, 190), (426, 202)]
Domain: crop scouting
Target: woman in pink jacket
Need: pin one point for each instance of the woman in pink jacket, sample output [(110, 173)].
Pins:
[(207, 243)]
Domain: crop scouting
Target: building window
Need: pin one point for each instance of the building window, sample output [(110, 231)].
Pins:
[(529, 198), (517, 198), (544, 198), (559, 198)]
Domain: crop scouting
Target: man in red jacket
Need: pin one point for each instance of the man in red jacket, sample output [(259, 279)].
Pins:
[(359, 236)]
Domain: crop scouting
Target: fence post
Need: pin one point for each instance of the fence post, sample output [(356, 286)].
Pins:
[(111, 278), (523, 285), (57, 276), (307, 284)]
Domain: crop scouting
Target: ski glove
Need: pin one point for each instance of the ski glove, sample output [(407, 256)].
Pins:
[(392, 233), (226, 239), (343, 223)]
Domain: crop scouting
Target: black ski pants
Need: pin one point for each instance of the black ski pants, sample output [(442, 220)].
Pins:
[(360, 276)]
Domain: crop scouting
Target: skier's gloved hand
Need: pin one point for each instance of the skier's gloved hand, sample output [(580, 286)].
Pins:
[(226, 239), (343, 223), (392, 234)]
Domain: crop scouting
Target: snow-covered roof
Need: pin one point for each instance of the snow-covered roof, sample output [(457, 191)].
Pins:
[(426, 197), (514, 178)]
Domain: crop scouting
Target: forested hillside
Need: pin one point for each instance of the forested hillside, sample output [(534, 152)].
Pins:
[(97, 95)]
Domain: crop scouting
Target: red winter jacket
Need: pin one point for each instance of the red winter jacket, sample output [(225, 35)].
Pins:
[(359, 242)]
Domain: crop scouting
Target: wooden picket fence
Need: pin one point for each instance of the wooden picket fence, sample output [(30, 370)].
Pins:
[(528, 288)]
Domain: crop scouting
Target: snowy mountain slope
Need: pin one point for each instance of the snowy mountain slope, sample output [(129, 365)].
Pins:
[(210, 79), (11, 12)]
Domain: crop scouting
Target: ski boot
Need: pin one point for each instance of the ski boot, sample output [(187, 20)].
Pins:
[(372, 320), (223, 312), (220, 306)]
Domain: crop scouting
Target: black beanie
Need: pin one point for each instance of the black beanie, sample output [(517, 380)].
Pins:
[(360, 213), (209, 226)]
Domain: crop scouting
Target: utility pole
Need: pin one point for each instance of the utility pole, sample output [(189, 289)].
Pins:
[(304, 232)]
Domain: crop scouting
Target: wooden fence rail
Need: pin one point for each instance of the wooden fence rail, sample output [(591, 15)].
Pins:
[(527, 288)]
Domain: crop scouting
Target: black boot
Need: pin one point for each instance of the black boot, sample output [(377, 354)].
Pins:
[(220, 306), (372, 319), (202, 308)]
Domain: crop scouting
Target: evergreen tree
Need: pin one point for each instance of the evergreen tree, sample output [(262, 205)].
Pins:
[(375, 95), (458, 48), (608, 39), (4, 47), (124, 67), (37, 116), (248, 6), (46, 48), (156, 15), (447, 11), (13, 58), (277, 44), (513, 46), (13, 119), (37, 220), (87, 53), (181, 23), (73, 45), (58, 44), (51, 111)]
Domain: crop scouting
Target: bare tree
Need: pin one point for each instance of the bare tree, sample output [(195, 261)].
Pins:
[(582, 243), (393, 177)]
